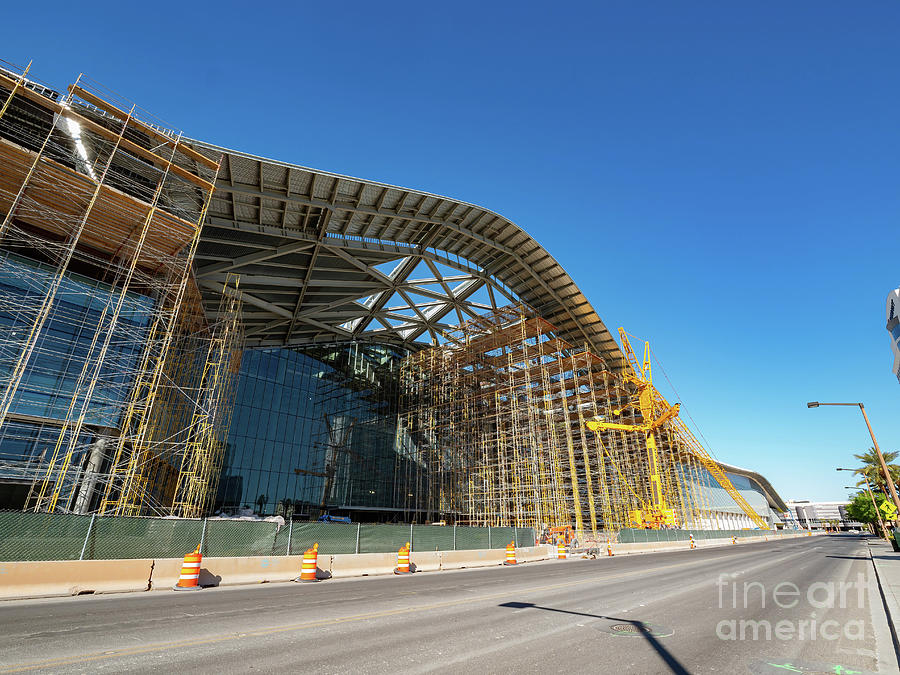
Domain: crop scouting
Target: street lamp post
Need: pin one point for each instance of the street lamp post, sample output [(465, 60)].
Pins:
[(874, 504), (887, 474)]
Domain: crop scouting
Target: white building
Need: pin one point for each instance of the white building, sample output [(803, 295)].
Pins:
[(721, 512), (816, 515), (892, 311)]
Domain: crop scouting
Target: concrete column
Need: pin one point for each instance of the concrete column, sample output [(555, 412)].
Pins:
[(91, 472)]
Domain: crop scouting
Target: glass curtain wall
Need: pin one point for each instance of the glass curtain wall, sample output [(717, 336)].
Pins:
[(314, 431), (42, 399), (717, 499)]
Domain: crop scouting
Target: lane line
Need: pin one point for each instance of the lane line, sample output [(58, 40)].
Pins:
[(174, 644), (215, 639)]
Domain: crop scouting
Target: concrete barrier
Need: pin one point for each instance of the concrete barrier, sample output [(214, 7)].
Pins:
[(454, 560), (72, 577), (427, 561), (230, 571), (662, 546), (363, 564), (534, 553)]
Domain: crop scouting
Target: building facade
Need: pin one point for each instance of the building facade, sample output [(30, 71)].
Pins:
[(892, 311), (185, 329), (821, 515)]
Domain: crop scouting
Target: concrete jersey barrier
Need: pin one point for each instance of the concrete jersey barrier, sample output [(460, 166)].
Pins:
[(74, 577)]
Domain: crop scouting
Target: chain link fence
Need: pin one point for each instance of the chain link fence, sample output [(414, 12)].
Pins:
[(632, 536), (63, 536)]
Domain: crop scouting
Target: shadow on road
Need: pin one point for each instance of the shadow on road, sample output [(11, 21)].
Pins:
[(848, 557), (663, 653)]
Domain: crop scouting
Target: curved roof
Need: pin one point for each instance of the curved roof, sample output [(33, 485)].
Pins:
[(330, 258), (774, 499)]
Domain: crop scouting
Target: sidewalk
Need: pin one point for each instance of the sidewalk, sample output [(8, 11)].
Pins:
[(887, 567)]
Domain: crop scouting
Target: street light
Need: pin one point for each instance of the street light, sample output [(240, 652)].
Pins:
[(872, 497), (884, 469)]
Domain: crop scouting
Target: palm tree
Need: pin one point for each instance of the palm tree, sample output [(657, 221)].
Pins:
[(871, 468)]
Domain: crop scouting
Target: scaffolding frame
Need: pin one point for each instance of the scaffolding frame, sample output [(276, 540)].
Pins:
[(497, 414), (104, 204)]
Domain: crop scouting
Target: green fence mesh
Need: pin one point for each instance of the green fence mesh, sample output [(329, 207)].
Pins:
[(60, 536), (227, 538), (502, 536), (120, 537), (41, 536), (631, 536), (432, 538), (382, 538), (472, 537), (331, 537)]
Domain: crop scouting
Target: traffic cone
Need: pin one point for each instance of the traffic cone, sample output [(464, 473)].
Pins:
[(510, 555), (609, 552), (693, 545), (403, 560), (560, 551), (310, 565), (190, 572)]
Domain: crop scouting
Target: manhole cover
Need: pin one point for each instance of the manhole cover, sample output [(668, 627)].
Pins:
[(782, 666), (635, 629)]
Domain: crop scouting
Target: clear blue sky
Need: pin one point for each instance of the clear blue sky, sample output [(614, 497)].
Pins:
[(721, 178)]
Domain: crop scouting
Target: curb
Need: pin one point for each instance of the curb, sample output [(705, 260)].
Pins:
[(891, 606)]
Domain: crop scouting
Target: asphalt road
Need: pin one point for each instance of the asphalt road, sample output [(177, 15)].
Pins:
[(682, 612)]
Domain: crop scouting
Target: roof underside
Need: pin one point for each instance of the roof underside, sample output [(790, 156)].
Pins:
[(328, 258), (775, 500)]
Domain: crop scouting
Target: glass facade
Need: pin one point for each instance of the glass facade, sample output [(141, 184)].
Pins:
[(64, 361), (714, 497), (315, 430)]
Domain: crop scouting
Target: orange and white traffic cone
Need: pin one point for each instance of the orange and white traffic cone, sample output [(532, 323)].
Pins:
[(310, 565), (190, 572), (403, 560), (560, 551), (510, 555), (609, 552), (693, 545)]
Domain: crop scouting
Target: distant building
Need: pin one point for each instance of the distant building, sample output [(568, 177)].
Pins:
[(818, 515), (892, 310)]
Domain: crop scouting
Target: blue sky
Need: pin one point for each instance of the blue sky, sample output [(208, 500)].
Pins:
[(719, 178)]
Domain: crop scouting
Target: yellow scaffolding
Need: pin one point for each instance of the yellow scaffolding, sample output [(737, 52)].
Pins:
[(99, 198), (498, 416)]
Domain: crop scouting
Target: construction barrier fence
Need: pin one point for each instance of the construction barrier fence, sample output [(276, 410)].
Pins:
[(634, 536), (28, 536)]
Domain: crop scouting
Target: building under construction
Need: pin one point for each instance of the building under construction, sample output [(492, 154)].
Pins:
[(112, 376), (501, 418), (187, 329)]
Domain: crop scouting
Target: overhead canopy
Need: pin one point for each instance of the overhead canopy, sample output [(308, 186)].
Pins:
[(773, 498), (328, 258)]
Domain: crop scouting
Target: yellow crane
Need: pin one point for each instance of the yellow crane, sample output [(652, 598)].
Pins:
[(656, 411), (655, 513)]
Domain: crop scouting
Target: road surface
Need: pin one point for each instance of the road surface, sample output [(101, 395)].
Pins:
[(800, 605)]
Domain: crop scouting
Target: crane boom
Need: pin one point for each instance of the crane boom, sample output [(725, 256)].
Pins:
[(661, 407)]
